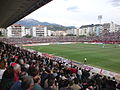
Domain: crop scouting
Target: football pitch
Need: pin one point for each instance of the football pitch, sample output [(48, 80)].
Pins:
[(102, 56)]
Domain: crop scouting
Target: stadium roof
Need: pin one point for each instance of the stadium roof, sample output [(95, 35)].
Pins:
[(13, 10)]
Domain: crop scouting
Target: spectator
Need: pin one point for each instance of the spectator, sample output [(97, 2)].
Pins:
[(7, 79), (37, 83), (51, 84), (16, 70), (56, 73), (26, 84), (75, 85), (79, 73)]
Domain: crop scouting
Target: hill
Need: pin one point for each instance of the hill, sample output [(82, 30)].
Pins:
[(51, 26)]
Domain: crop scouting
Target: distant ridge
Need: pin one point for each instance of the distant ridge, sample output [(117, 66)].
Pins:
[(51, 26)]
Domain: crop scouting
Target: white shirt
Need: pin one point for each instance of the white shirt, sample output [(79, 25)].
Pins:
[(79, 72), (1, 73)]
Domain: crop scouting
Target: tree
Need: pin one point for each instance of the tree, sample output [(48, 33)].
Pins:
[(92, 34), (82, 36), (28, 36), (70, 35), (0, 33)]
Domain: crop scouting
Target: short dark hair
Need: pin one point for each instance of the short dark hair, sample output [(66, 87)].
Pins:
[(26, 82), (51, 81), (76, 81), (36, 79), (8, 73)]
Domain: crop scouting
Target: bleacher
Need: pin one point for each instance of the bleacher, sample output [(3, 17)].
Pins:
[(21, 69)]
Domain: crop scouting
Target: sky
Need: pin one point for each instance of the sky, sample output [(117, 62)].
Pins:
[(78, 12)]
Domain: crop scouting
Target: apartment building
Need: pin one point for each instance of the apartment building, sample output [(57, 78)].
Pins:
[(39, 30), (16, 30), (90, 30), (73, 32)]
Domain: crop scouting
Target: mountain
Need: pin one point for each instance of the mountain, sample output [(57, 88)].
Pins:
[(51, 26)]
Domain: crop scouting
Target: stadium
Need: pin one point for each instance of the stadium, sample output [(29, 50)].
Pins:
[(57, 62)]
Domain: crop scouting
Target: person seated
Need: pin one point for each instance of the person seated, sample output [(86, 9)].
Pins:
[(27, 83), (37, 83), (51, 84), (7, 79)]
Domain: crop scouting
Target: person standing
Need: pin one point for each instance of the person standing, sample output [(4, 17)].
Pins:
[(85, 60)]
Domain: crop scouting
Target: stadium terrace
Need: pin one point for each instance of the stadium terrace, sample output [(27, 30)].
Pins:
[(27, 70), (108, 38)]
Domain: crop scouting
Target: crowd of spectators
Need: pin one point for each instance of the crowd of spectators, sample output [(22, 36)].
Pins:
[(113, 38), (21, 69)]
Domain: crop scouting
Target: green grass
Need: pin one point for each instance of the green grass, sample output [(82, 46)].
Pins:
[(107, 58)]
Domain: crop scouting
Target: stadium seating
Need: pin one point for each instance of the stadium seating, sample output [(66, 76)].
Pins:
[(21, 69), (113, 38)]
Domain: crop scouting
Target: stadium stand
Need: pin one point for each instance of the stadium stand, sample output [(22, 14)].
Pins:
[(107, 38), (21, 69)]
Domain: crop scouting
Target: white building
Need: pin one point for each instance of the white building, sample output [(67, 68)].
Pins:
[(39, 31), (76, 32), (59, 33), (3, 31), (90, 30), (50, 33), (110, 27), (98, 29), (73, 31), (117, 28), (16, 30), (114, 27), (86, 29), (28, 31)]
